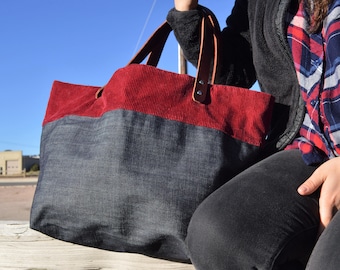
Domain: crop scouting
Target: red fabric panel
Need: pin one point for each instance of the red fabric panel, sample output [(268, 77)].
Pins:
[(241, 113)]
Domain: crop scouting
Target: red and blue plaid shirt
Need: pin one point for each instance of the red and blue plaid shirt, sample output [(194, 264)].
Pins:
[(317, 62)]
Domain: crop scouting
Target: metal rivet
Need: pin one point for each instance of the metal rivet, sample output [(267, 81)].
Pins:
[(199, 92), (201, 82)]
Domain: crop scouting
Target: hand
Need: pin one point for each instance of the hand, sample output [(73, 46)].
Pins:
[(185, 5), (327, 176)]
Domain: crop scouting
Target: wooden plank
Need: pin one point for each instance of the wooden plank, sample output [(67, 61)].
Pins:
[(24, 249)]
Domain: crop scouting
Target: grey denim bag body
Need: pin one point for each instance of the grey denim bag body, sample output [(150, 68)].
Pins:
[(124, 167)]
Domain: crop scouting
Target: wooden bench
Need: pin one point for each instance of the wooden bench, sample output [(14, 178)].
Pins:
[(23, 248)]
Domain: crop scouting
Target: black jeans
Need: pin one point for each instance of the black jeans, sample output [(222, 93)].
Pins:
[(257, 220), (327, 250)]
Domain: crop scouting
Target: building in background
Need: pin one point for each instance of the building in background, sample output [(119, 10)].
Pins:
[(14, 163)]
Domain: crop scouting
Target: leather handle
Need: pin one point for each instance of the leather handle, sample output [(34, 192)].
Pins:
[(153, 46), (208, 53)]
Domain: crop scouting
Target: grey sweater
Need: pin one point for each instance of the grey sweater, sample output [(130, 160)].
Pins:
[(255, 47)]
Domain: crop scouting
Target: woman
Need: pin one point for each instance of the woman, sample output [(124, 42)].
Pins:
[(271, 215)]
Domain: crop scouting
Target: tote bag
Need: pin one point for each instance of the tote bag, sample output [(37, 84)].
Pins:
[(123, 167)]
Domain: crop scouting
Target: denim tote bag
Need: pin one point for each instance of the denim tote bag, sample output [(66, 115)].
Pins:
[(124, 166)]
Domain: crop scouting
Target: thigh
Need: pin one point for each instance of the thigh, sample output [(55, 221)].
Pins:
[(326, 252), (257, 220)]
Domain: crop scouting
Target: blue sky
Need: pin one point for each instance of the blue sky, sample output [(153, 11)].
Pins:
[(75, 41)]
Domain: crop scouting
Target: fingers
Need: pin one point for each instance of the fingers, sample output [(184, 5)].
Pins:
[(185, 5), (326, 213), (327, 176), (315, 181), (329, 201), (311, 184)]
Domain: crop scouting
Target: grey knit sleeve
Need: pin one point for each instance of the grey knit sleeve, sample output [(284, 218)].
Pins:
[(185, 25), (236, 62)]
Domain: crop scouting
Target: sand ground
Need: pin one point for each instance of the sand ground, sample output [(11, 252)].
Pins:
[(15, 202)]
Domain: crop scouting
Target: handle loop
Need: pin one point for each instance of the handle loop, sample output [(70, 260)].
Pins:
[(208, 55)]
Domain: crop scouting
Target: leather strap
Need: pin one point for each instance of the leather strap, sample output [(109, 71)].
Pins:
[(207, 59), (208, 55), (153, 46)]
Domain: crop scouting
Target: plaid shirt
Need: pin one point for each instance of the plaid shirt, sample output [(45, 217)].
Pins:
[(317, 62)]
